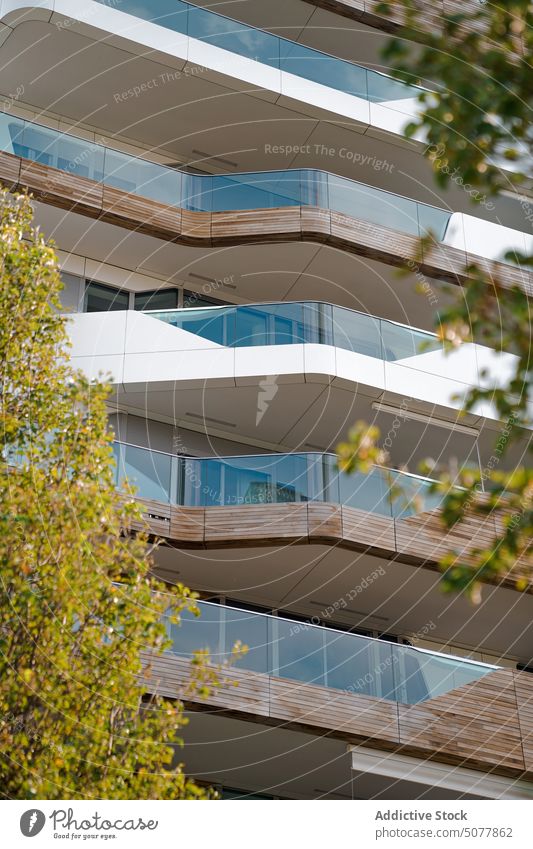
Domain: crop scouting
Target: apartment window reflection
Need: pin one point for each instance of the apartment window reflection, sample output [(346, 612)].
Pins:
[(100, 298)]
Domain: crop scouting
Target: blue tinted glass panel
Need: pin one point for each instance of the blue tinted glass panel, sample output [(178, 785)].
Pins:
[(199, 633), (367, 492), (383, 89), (270, 324), (171, 14), (252, 631), (234, 36), (326, 70), (11, 134), (374, 205), (357, 332), (265, 190), (148, 471), (402, 343), (432, 219), (411, 495), (349, 663), (143, 178), (216, 325), (297, 651)]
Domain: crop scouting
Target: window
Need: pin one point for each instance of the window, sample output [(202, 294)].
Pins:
[(192, 300), (100, 298), (158, 299)]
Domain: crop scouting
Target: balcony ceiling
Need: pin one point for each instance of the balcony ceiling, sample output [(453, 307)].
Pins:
[(203, 111), (308, 578), (285, 763), (292, 271)]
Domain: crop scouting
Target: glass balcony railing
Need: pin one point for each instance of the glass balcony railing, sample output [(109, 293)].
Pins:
[(313, 654), (269, 479), (220, 31), (296, 322), (217, 193)]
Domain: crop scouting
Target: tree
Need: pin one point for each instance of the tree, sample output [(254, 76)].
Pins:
[(78, 601), (476, 122)]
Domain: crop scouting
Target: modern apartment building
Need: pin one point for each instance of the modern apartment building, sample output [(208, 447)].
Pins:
[(231, 197)]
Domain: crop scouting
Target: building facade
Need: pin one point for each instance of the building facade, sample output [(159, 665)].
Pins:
[(231, 197)]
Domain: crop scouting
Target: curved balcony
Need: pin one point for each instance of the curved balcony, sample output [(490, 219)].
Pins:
[(261, 46), (217, 193), (254, 191), (268, 479), (302, 322), (313, 654)]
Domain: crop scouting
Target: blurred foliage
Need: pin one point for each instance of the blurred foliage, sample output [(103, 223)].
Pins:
[(475, 123), (78, 603)]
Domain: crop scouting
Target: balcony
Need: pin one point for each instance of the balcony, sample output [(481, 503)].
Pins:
[(278, 191), (320, 656), (305, 322), (220, 31), (217, 193), (268, 479)]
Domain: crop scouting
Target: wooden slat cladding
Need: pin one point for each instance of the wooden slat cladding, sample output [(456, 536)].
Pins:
[(67, 191), (430, 15), (524, 701), (418, 539), (424, 535), (477, 723), (252, 523), (368, 530), (346, 713), (239, 691), (324, 522), (187, 524), (256, 226), (10, 170), (487, 724), (142, 214)]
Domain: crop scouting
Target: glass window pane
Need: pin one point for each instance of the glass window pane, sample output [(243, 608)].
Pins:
[(373, 205), (270, 324), (326, 70), (411, 495), (160, 299), (216, 325), (171, 14), (234, 36), (196, 633), (425, 676), (382, 88), (297, 651), (60, 150), (141, 177), (367, 492), (400, 343), (100, 298), (252, 631), (11, 134), (357, 332), (147, 471), (265, 190), (349, 663), (432, 219)]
